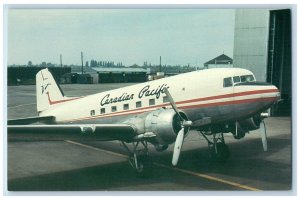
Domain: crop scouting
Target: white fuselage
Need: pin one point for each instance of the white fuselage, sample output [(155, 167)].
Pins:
[(199, 94)]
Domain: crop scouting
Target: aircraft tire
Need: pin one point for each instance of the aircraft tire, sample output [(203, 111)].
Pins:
[(240, 135), (223, 153), (145, 166)]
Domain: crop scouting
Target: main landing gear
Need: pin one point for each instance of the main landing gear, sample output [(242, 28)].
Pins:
[(219, 151), (139, 158)]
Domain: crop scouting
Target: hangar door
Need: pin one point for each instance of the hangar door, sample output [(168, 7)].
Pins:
[(279, 59)]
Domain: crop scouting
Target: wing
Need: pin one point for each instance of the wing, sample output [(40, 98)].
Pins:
[(31, 120), (103, 132)]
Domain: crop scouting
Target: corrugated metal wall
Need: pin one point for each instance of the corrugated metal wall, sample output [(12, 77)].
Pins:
[(262, 44), (251, 41)]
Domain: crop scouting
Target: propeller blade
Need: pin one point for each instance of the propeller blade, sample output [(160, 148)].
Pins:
[(177, 147), (180, 136), (263, 133), (171, 100)]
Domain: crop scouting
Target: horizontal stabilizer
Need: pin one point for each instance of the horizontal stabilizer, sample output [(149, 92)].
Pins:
[(31, 120)]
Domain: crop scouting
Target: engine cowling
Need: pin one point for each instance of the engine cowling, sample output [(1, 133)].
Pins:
[(165, 124)]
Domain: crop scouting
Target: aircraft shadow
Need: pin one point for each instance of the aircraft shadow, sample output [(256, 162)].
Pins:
[(112, 177), (243, 163), (247, 161)]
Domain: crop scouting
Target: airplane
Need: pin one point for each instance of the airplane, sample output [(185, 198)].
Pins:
[(161, 112)]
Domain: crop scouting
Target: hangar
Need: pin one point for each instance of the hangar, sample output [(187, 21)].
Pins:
[(121, 75), (219, 61), (26, 75), (262, 44)]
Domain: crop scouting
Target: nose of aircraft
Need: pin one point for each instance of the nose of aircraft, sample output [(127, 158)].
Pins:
[(267, 92), (272, 92)]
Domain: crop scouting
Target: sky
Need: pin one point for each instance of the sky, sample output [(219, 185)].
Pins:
[(130, 36)]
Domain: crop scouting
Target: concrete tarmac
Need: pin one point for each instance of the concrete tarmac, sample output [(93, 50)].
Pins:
[(64, 165)]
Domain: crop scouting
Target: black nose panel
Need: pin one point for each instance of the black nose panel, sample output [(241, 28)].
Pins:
[(252, 83)]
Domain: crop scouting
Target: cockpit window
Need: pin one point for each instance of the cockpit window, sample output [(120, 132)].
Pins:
[(236, 79), (227, 82), (247, 78)]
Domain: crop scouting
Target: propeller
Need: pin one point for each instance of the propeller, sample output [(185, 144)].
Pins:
[(171, 100), (177, 146), (180, 136), (263, 133)]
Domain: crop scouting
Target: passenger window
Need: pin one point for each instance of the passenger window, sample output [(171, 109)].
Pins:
[(102, 110), (227, 82), (138, 104), (151, 102), (92, 112), (236, 79), (165, 99), (126, 106), (113, 108)]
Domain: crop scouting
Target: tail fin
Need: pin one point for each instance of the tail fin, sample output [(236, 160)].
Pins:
[(47, 90)]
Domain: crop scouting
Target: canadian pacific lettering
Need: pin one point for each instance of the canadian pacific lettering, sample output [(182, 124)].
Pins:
[(144, 92), (124, 97)]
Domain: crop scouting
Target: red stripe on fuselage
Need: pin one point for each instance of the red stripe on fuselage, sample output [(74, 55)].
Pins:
[(229, 95), (60, 101), (190, 100), (132, 112), (266, 99)]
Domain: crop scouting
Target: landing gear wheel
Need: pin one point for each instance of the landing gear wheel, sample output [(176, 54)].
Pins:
[(139, 159), (239, 135), (144, 166), (220, 152)]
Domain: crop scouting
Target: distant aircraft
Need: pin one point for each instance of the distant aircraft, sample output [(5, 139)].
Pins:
[(160, 112)]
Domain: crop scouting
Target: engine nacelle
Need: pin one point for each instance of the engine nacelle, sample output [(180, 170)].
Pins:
[(165, 124)]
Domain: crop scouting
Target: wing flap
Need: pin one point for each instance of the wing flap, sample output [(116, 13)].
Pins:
[(102, 132)]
